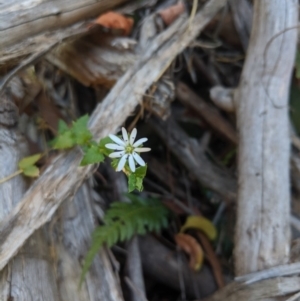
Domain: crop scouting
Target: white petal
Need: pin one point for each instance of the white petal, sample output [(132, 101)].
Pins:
[(138, 159), (114, 146), (117, 154), (131, 163), (116, 139), (142, 149), (121, 163), (139, 142), (133, 136), (125, 135)]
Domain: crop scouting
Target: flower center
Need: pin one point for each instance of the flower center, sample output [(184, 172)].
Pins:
[(129, 149)]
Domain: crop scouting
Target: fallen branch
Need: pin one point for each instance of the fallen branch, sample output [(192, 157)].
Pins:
[(264, 290), (62, 178), (192, 156)]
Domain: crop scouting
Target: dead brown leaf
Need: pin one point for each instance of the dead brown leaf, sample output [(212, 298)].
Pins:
[(190, 246), (115, 21)]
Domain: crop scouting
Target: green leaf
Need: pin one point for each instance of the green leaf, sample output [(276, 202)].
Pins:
[(102, 147), (92, 156), (141, 171), (31, 171), (62, 127), (135, 180), (131, 182), (139, 183), (122, 221), (80, 130), (64, 141), (29, 161)]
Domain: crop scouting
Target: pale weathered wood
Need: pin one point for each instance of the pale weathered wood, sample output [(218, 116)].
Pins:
[(262, 230), (278, 271), (99, 61), (73, 224), (19, 20), (63, 176), (30, 275), (265, 290)]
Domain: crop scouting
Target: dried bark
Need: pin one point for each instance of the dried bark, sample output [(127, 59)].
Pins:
[(73, 226), (63, 177), (30, 276), (266, 290), (262, 230), (20, 21)]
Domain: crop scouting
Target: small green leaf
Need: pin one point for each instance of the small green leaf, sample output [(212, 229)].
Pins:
[(139, 183), (114, 163), (131, 182), (64, 141), (62, 127), (80, 130), (29, 161), (31, 171), (102, 147), (92, 156), (141, 171)]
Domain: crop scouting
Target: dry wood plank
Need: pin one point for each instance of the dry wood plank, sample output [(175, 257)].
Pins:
[(30, 276), (63, 176), (73, 224), (19, 20), (264, 290), (262, 230)]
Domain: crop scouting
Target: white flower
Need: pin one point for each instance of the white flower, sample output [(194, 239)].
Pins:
[(127, 149)]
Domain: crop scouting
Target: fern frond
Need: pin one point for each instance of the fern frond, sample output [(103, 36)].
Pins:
[(123, 220)]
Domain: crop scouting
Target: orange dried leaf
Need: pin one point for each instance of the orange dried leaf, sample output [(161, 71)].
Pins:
[(171, 13), (190, 246), (114, 20)]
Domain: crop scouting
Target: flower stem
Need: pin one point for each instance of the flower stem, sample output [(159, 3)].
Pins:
[(11, 176)]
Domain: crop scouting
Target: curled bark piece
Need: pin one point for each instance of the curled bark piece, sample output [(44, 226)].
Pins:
[(223, 98)]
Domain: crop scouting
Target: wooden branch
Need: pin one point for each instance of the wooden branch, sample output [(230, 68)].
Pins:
[(206, 111), (264, 290), (278, 271), (63, 176), (262, 230), (191, 155), (19, 21), (34, 257)]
